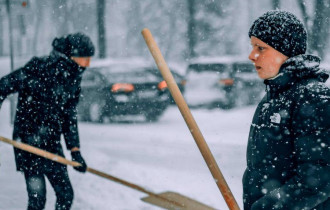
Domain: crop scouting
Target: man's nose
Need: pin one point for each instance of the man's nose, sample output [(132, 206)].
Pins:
[(87, 62), (252, 56)]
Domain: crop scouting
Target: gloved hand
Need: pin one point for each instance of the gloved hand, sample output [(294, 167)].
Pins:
[(76, 156)]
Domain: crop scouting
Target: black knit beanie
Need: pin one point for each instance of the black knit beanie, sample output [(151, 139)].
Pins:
[(281, 30), (76, 45)]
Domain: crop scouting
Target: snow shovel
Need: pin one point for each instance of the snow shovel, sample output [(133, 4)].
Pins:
[(167, 200), (191, 123)]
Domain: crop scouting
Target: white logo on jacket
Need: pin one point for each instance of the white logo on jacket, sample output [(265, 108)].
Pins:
[(265, 106), (275, 118)]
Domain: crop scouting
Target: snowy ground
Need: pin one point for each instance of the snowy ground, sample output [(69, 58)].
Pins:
[(158, 156)]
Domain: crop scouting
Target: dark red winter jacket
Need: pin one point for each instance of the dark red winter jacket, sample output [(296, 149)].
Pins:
[(288, 155), (48, 92)]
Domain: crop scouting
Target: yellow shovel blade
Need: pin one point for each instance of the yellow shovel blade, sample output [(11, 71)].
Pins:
[(187, 203)]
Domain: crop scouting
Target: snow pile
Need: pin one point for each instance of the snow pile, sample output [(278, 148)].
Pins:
[(158, 156)]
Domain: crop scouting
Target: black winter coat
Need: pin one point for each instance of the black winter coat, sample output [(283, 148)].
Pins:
[(288, 155), (48, 92)]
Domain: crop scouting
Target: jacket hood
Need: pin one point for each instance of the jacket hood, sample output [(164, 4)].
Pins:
[(55, 56), (305, 66), (296, 69)]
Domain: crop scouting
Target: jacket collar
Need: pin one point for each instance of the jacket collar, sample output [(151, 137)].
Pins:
[(296, 69), (56, 55)]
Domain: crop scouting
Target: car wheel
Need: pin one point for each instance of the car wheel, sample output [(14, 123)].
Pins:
[(153, 116), (95, 112)]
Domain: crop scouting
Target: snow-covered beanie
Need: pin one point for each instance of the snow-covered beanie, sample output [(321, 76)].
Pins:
[(281, 30), (76, 45)]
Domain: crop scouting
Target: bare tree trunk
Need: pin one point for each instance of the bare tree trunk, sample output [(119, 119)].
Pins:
[(191, 29), (171, 32), (60, 16), (276, 4), (38, 20), (21, 40), (1, 36), (320, 29), (100, 7), (302, 6)]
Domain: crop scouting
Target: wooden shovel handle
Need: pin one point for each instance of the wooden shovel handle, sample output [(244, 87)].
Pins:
[(134, 186), (190, 121), (39, 152), (62, 160)]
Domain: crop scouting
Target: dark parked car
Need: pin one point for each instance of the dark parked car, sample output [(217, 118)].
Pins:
[(224, 82), (119, 90), (179, 79)]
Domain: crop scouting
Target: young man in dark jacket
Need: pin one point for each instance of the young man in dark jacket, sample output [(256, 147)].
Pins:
[(48, 92), (288, 157)]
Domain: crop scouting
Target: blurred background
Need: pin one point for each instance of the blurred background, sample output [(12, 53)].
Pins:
[(205, 43), (183, 28)]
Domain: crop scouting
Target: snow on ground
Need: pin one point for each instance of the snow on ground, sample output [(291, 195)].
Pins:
[(159, 156)]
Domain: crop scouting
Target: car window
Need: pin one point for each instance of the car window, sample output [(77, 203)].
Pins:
[(129, 74), (177, 77), (133, 77), (122, 68), (243, 68), (209, 67)]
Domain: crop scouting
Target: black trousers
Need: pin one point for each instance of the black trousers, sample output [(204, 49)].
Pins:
[(36, 188)]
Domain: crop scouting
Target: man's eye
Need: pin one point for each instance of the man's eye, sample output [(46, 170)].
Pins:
[(261, 48)]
